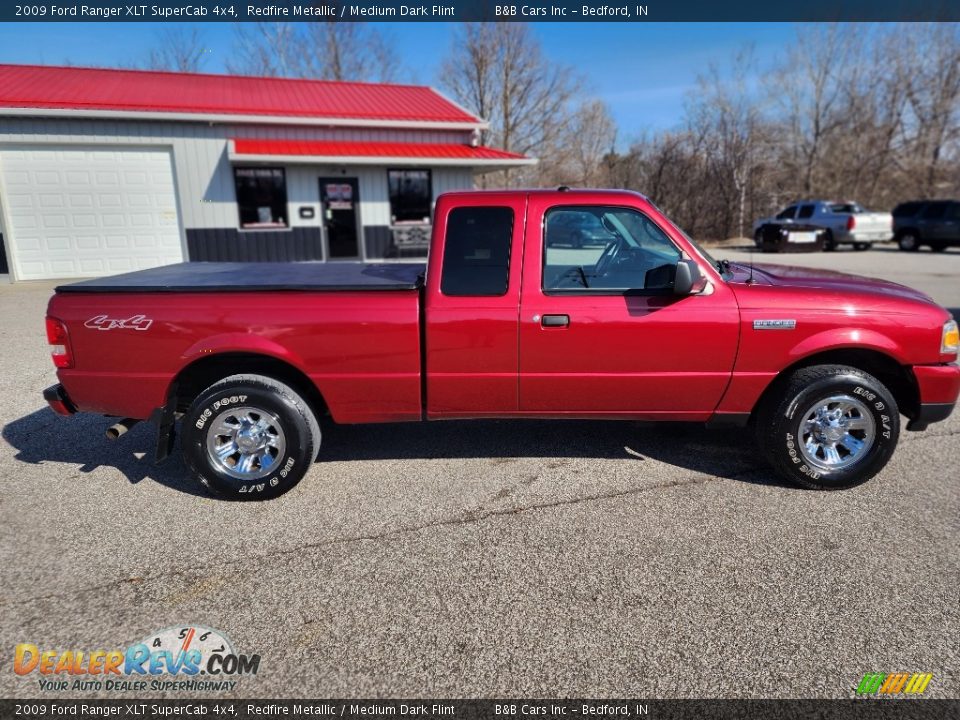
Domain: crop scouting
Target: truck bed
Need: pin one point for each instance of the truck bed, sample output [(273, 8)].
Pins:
[(258, 277)]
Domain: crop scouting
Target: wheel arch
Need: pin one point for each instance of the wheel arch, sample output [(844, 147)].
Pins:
[(896, 377), (203, 372)]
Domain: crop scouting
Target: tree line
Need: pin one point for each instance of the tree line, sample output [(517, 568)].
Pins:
[(869, 113)]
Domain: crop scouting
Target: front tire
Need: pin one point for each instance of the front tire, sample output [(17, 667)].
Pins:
[(830, 427), (829, 244), (861, 246), (249, 437)]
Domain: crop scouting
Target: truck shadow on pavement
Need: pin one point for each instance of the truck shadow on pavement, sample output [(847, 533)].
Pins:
[(43, 437)]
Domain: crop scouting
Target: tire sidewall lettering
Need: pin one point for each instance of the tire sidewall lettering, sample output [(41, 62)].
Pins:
[(875, 400), (216, 405)]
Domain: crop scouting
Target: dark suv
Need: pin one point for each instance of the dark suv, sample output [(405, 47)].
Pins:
[(927, 222)]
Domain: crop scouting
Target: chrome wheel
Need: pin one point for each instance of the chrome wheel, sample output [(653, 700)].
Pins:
[(245, 442), (836, 432)]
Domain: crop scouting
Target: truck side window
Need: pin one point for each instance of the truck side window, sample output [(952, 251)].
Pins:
[(607, 251), (476, 254), (788, 213), (805, 211)]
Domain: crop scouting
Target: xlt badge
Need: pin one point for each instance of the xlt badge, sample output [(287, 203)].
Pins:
[(774, 324)]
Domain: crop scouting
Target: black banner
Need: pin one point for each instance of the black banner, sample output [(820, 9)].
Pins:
[(864, 709), (474, 10)]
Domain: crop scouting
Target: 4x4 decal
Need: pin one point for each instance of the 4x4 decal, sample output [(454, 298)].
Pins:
[(102, 322)]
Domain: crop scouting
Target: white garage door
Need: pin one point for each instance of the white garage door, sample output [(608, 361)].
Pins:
[(85, 213)]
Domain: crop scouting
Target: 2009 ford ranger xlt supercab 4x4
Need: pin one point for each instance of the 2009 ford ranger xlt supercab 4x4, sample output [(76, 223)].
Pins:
[(511, 318)]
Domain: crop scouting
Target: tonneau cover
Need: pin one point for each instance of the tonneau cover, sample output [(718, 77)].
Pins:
[(258, 277)]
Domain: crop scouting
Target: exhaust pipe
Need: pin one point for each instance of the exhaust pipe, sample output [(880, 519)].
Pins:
[(115, 431)]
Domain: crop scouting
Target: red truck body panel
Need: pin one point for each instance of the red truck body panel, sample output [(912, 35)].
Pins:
[(362, 350), (659, 356), (471, 342), (372, 355)]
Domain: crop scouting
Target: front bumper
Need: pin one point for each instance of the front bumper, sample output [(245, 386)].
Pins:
[(59, 401), (939, 387)]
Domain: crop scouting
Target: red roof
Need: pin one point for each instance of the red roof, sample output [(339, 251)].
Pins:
[(87, 89), (338, 148)]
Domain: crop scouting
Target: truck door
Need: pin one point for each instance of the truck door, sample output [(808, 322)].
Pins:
[(601, 332), (472, 300)]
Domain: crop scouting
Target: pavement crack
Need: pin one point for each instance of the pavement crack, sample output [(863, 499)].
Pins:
[(467, 518)]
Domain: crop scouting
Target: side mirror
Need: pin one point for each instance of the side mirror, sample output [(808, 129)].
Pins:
[(688, 278)]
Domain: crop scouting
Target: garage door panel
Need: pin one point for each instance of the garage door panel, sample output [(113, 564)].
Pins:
[(83, 213)]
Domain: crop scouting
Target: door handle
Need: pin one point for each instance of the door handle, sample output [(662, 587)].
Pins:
[(555, 321)]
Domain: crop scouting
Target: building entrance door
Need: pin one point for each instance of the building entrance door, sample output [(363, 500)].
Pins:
[(340, 198)]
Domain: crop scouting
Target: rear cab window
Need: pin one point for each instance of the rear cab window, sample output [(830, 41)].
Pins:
[(846, 208), (476, 255)]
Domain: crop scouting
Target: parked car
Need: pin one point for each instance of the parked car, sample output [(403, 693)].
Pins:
[(844, 222), (792, 238), (935, 223), (504, 322)]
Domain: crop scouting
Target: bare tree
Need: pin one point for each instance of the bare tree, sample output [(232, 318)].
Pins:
[(876, 121), (321, 50), (179, 49), (593, 136), (807, 86), (498, 70), (933, 94), (724, 112)]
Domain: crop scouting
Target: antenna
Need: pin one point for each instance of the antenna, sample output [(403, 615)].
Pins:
[(752, 248)]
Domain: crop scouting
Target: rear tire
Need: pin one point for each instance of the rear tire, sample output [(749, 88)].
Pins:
[(908, 241), (250, 437), (938, 246), (829, 427)]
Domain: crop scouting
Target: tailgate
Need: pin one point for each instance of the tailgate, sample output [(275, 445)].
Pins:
[(874, 222)]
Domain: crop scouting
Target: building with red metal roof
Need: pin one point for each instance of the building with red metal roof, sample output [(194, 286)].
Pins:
[(105, 171)]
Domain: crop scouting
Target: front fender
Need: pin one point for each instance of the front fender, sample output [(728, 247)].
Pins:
[(844, 338), (751, 379)]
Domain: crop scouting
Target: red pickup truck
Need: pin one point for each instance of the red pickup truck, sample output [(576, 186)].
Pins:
[(547, 304)]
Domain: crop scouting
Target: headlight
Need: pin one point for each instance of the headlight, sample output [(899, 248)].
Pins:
[(950, 342)]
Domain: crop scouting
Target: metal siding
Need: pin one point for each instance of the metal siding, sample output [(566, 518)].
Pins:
[(204, 174), (230, 245)]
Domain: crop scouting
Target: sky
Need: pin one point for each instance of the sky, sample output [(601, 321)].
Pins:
[(644, 72)]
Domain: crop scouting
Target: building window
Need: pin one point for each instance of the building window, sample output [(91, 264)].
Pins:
[(261, 197), (410, 196)]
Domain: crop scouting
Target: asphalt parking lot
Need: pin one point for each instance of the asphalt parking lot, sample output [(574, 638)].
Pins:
[(488, 559)]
